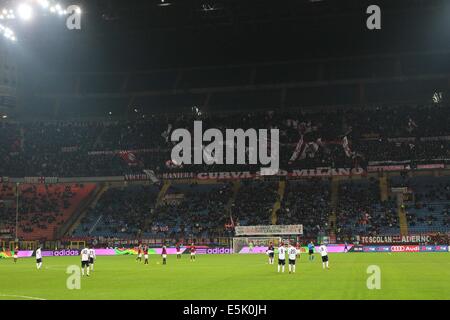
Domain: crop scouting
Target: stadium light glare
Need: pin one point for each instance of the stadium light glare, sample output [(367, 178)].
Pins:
[(25, 11), (164, 3), (44, 3), (7, 33), (6, 14)]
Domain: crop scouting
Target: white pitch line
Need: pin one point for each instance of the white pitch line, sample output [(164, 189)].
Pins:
[(24, 297)]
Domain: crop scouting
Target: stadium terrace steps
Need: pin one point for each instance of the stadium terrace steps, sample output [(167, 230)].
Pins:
[(384, 189), (231, 201), (162, 193), (334, 201), (90, 202), (402, 215), (334, 193), (277, 204)]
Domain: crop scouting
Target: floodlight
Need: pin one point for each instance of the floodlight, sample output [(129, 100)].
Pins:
[(25, 11)]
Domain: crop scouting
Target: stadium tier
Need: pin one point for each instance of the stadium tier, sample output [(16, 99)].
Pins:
[(413, 135), (207, 211)]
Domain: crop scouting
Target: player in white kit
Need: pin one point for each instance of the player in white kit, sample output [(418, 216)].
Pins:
[(292, 252), (85, 261), (324, 253), (281, 257), (92, 258), (38, 258)]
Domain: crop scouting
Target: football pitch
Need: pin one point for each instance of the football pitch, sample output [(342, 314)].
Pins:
[(229, 277)]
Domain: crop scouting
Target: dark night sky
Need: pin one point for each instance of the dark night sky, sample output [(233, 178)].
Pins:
[(130, 35)]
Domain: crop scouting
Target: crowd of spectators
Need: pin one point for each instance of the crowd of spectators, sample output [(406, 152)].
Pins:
[(307, 203), (186, 211), (254, 202), (211, 210), (120, 211), (91, 148), (360, 210), (201, 212), (41, 206), (429, 204)]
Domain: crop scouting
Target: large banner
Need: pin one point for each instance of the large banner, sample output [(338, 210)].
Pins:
[(41, 180), (332, 248), (402, 167), (115, 252), (227, 175), (423, 238), (268, 230), (222, 250)]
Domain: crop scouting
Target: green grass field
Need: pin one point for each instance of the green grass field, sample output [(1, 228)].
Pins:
[(217, 277)]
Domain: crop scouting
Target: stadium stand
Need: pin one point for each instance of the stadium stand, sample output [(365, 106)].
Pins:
[(428, 210), (91, 149), (42, 208), (308, 203)]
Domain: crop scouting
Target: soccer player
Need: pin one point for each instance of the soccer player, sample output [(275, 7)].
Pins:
[(324, 253), (193, 250), (178, 251), (85, 261), (164, 254), (292, 252), (38, 258), (16, 254), (92, 258), (281, 257), (146, 255), (345, 247), (299, 248), (271, 253), (139, 257), (311, 251)]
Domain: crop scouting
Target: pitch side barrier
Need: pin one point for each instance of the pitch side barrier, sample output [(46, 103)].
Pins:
[(115, 252), (332, 248), (400, 248), (340, 248)]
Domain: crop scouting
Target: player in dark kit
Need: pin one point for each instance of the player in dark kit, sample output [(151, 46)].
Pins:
[(193, 251), (139, 257), (164, 254), (311, 251), (178, 251), (146, 255), (271, 253)]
